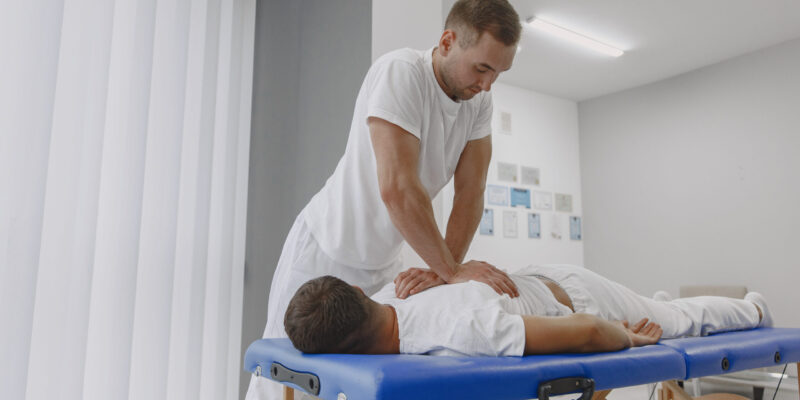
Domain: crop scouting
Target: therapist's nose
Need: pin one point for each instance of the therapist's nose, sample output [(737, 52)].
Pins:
[(486, 84), (487, 80)]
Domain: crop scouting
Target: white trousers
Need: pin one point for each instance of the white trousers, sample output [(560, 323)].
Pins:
[(302, 260), (692, 316)]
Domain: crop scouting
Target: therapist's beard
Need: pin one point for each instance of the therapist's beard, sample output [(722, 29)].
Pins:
[(459, 93)]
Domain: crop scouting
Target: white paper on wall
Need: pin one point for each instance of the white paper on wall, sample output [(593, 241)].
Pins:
[(575, 228), (497, 195), (487, 222), (506, 172), (530, 176), (542, 200), (509, 224), (563, 202), (505, 122), (555, 226), (534, 226)]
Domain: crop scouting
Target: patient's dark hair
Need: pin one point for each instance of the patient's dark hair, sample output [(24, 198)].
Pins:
[(327, 315)]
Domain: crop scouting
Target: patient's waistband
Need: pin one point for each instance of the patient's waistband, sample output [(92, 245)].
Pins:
[(561, 295), (569, 278)]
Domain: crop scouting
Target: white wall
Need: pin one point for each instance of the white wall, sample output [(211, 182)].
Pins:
[(545, 136), (417, 24), (694, 180)]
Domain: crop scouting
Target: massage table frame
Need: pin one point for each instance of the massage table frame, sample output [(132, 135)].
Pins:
[(670, 390), (353, 376)]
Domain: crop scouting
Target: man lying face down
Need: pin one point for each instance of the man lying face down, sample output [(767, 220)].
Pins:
[(561, 308)]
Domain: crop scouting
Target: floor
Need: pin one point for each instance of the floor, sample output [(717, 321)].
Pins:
[(628, 393), (644, 393)]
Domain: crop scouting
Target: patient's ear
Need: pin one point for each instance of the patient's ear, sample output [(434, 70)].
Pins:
[(359, 289)]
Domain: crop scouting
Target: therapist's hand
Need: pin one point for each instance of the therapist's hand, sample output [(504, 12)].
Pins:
[(415, 280), (484, 272)]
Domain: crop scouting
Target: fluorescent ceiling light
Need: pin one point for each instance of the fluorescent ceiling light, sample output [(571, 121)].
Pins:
[(574, 37)]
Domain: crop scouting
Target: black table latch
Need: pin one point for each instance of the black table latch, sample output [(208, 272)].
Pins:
[(567, 385), (306, 381)]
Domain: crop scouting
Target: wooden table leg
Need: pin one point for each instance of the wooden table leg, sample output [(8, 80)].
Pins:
[(672, 391), (601, 394), (288, 393)]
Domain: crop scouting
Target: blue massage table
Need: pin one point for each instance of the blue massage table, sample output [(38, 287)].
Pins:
[(353, 376)]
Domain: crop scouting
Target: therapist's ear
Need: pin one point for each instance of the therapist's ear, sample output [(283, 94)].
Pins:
[(359, 289), (446, 42)]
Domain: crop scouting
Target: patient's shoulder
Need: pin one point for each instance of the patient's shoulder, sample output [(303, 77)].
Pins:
[(385, 295)]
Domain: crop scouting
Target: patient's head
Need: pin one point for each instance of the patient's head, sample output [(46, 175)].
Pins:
[(327, 315)]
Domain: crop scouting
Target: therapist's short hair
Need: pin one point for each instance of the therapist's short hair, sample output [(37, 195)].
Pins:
[(471, 18), (327, 315)]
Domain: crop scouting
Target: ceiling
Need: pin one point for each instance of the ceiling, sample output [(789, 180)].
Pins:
[(661, 38)]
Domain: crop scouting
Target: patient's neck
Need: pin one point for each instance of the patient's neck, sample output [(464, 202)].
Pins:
[(387, 338)]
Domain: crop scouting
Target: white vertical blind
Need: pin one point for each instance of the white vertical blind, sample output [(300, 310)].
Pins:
[(124, 145), (245, 38), (70, 208), (29, 44)]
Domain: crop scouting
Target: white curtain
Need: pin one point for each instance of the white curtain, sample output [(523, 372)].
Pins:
[(124, 146)]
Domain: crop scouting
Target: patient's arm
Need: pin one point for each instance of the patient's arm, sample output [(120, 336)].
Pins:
[(584, 333)]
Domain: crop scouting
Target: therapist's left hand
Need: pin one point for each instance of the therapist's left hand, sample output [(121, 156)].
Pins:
[(415, 280)]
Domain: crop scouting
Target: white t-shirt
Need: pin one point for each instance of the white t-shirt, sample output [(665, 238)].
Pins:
[(347, 217), (469, 319)]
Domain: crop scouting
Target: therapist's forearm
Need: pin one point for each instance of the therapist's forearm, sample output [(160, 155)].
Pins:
[(463, 222), (411, 212)]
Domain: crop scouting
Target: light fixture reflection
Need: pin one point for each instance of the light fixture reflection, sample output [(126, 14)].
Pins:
[(574, 37)]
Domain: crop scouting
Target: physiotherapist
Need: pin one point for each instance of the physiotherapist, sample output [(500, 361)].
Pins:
[(421, 118)]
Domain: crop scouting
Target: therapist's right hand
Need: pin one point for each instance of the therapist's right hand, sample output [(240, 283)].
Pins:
[(484, 272)]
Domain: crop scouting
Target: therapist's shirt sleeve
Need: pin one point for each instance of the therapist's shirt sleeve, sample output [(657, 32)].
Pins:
[(396, 95), (483, 121)]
